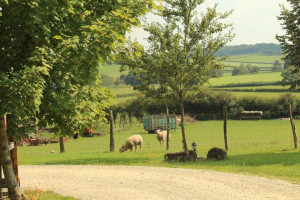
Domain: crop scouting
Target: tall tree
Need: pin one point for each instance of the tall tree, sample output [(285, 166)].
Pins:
[(182, 51), (290, 41), (50, 53)]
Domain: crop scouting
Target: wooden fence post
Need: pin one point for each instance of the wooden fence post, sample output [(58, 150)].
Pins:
[(168, 129), (225, 127), (293, 126), (0, 179), (111, 119), (61, 144)]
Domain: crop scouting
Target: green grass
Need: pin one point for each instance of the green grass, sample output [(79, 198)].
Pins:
[(125, 91), (111, 70), (250, 78), (263, 148), (44, 195), (123, 94), (263, 94), (119, 100), (255, 58), (263, 67)]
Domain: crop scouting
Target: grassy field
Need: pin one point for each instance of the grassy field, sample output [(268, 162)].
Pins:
[(250, 78), (111, 70), (264, 77), (274, 91), (263, 94), (262, 148), (255, 58), (123, 94)]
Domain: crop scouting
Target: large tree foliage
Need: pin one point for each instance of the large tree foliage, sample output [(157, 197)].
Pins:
[(182, 51), (290, 41), (50, 53)]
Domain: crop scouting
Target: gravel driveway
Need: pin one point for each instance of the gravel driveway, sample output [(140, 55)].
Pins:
[(130, 183)]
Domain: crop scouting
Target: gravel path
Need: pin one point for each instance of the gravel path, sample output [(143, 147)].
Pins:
[(153, 183)]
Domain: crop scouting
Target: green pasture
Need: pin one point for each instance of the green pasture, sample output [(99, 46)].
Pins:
[(262, 148), (124, 91), (111, 70), (263, 94), (250, 78), (123, 94), (263, 67), (255, 58), (267, 91), (119, 100)]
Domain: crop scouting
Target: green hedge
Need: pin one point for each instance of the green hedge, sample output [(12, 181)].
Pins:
[(206, 104)]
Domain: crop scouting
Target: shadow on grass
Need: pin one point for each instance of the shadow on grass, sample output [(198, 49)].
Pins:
[(259, 159), (100, 161)]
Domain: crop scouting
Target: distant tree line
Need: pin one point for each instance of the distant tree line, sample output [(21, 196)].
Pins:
[(262, 48)]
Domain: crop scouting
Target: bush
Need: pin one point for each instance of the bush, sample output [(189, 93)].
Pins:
[(217, 73), (240, 70), (252, 69)]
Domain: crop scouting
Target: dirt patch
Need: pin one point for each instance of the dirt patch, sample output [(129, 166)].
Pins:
[(124, 182)]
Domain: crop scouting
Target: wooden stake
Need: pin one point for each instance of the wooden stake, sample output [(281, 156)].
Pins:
[(0, 179), (225, 127), (168, 129), (112, 143), (293, 126), (61, 144)]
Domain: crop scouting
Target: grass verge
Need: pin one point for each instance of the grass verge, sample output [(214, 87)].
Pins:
[(262, 148)]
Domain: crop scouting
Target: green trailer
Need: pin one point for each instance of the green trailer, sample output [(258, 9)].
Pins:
[(155, 122)]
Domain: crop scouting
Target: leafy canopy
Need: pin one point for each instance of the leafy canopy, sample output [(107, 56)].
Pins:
[(50, 52), (290, 42)]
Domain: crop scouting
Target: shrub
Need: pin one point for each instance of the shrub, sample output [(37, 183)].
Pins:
[(240, 70)]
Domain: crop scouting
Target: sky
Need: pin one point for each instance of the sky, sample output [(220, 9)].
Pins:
[(254, 21)]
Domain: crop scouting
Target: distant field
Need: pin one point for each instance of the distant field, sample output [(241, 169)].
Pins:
[(263, 94), (263, 67), (262, 77), (111, 70), (265, 62), (119, 100), (123, 94), (255, 58), (126, 91)]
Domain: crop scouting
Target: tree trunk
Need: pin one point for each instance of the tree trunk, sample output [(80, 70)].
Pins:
[(10, 178), (61, 144), (182, 122)]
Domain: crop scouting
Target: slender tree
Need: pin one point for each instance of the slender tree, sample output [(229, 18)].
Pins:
[(290, 41), (182, 51), (50, 53)]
